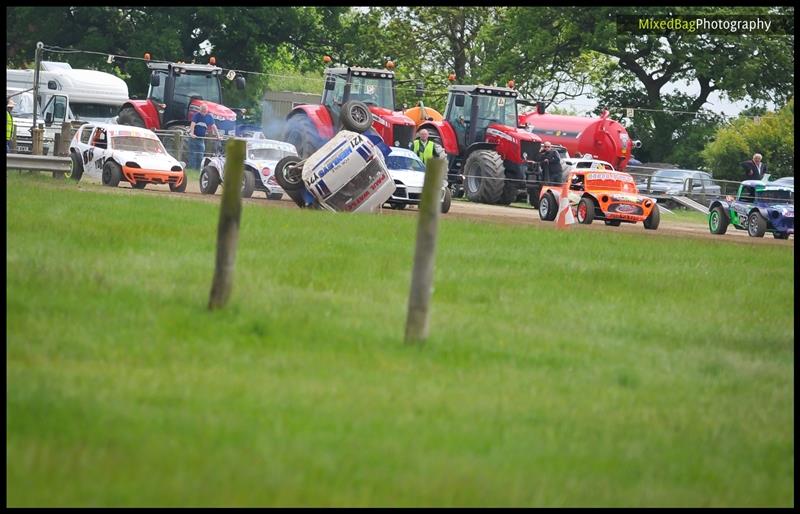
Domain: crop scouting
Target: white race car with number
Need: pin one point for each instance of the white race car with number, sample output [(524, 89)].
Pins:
[(347, 174), (261, 157), (116, 153), (408, 173)]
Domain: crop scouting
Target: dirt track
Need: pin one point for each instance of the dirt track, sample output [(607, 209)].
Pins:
[(515, 215)]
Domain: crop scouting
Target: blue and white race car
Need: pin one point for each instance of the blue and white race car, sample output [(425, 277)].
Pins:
[(408, 172), (347, 174), (260, 160), (759, 207)]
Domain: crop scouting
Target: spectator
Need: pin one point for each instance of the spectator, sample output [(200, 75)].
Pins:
[(550, 163), (202, 122), (754, 169), (9, 124), (424, 147)]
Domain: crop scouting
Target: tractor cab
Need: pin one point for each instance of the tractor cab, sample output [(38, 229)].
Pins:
[(372, 86), (471, 110)]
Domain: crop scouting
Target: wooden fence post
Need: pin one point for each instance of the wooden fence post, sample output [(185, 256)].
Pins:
[(37, 143), (228, 230), (424, 255)]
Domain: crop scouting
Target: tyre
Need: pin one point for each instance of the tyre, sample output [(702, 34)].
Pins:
[(652, 221), (717, 220), (533, 196), (302, 134), (248, 183), (181, 188), (274, 196), (447, 200), (485, 177), (76, 167), (209, 180), (140, 184), (289, 174), (756, 224), (585, 214), (112, 174), (548, 207), (510, 191), (129, 116), (397, 206), (780, 235), (355, 116), (613, 223)]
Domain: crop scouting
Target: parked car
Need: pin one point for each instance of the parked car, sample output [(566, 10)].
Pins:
[(408, 173), (116, 153), (601, 194), (759, 207), (676, 182), (261, 157), (346, 174)]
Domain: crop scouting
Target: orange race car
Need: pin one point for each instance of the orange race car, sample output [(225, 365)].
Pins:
[(601, 194)]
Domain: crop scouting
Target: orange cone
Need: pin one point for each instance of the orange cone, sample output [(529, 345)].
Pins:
[(565, 217)]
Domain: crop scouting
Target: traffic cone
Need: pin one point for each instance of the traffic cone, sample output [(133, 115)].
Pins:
[(565, 217)]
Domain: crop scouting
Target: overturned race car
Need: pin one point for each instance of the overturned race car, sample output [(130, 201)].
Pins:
[(347, 174)]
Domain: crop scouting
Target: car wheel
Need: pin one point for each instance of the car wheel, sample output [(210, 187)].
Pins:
[(654, 219), (179, 188), (780, 235), (112, 174), (613, 223), (717, 221), (76, 167), (548, 207), (140, 184), (585, 212), (289, 174), (397, 206), (274, 196), (447, 200), (356, 116), (209, 180), (756, 224), (248, 183)]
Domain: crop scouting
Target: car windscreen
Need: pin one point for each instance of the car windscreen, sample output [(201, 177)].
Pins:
[(137, 144), (93, 112), (775, 196), (401, 162), (671, 175), (266, 154)]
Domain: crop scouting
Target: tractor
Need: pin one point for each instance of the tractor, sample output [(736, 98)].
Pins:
[(486, 151), (177, 90), (355, 99)]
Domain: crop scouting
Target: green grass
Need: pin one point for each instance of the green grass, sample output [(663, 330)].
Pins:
[(576, 368)]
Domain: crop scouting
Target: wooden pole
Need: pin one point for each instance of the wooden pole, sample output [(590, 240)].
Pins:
[(424, 255), (228, 230)]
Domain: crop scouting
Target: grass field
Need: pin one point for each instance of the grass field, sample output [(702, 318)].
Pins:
[(577, 368)]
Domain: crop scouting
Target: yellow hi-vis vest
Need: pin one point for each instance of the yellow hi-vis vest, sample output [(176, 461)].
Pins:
[(426, 152), (9, 126)]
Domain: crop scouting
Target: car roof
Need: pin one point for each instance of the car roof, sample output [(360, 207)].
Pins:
[(112, 129), (609, 172), (257, 142), (404, 152), (684, 171)]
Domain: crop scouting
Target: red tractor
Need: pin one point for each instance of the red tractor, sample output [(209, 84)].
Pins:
[(486, 151), (176, 92), (355, 99)]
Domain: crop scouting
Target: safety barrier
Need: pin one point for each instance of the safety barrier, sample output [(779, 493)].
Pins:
[(57, 165)]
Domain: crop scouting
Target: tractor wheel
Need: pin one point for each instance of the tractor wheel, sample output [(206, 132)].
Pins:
[(717, 221), (209, 180), (448, 199), (548, 207), (248, 183), (652, 221), (289, 174), (585, 212), (181, 188), (533, 195), (756, 224), (129, 116), (112, 174), (485, 177), (511, 188), (356, 116), (302, 134), (76, 167)]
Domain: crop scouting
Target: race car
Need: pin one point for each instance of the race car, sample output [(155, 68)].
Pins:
[(261, 156), (120, 152), (408, 172), (759, 207), (346, 174), (601, 194)]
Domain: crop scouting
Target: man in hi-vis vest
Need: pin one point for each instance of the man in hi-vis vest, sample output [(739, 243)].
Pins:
[(424, 147)]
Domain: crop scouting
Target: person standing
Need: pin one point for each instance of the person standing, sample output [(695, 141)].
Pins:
[(423, 146), (754, 169), (550, 163), (9, 124), (202, 123)]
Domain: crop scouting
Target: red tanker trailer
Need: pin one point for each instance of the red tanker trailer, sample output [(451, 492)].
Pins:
[(602, 137)]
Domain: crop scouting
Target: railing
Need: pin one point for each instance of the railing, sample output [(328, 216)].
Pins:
[(55, 164)]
